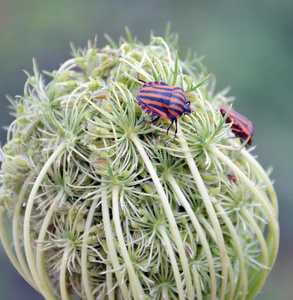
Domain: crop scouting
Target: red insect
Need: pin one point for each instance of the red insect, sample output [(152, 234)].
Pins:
[(241, 127), (159, 99), (232, 177)]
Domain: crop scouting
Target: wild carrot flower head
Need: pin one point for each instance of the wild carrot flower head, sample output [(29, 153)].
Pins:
[(105, 206)]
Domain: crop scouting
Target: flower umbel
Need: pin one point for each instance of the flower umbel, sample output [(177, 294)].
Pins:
[(105, 206)]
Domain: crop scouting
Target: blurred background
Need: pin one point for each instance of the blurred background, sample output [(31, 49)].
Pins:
[(247, 45)]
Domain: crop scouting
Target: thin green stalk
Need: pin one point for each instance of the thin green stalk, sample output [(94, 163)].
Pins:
[(197, 283), (84, 249), (232, 280), (210, 210), (165, 294), (267, 206), (69, 64), (242, 274), (41, 240), (209, 229), (111, 247), (44, 289), (100, 110), (8, 249), (62, 276), (109, 280), (201, 234), (171, 63), (134, 281), (174, 263), (264, 253), (259, 170), (15, 231), (169, 214)]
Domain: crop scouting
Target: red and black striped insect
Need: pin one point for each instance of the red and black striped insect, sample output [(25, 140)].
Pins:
[(159, 99), (241, 127)]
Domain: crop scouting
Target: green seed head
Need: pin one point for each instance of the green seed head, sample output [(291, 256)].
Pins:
[(105, 206)]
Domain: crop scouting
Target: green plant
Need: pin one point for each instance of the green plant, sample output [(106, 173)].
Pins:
[(104, 208)]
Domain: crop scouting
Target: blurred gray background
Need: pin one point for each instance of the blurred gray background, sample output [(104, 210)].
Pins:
[(247, 45)]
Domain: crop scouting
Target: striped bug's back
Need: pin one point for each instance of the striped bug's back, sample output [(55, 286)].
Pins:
[(178, 105), (241, 127), (154, 98), (159, 99)]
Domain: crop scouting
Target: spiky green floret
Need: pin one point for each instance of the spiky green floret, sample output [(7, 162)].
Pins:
[(104, 208)]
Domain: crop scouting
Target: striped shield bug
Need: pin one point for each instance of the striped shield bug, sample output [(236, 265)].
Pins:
[(159, 99), (241, 127)]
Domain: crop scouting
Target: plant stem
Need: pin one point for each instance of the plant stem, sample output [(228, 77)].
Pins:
[(43, 288), (41, 239), (111, 246), (62, 276), (210, 210), (15, 230), (267, 206), (8, 249), (173, 261), (134, 281), (264, 251), (84, 254), (196, 279), (259, 170), (201, 234), (169, 214), (242, 276), (109, 280)]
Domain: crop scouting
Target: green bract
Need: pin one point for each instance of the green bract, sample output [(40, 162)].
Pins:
[(104, 208)]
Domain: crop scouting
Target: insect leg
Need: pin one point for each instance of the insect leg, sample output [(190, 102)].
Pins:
[(237, 130), (171, 125), (153, 121), (175, 128), (139, 78)]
